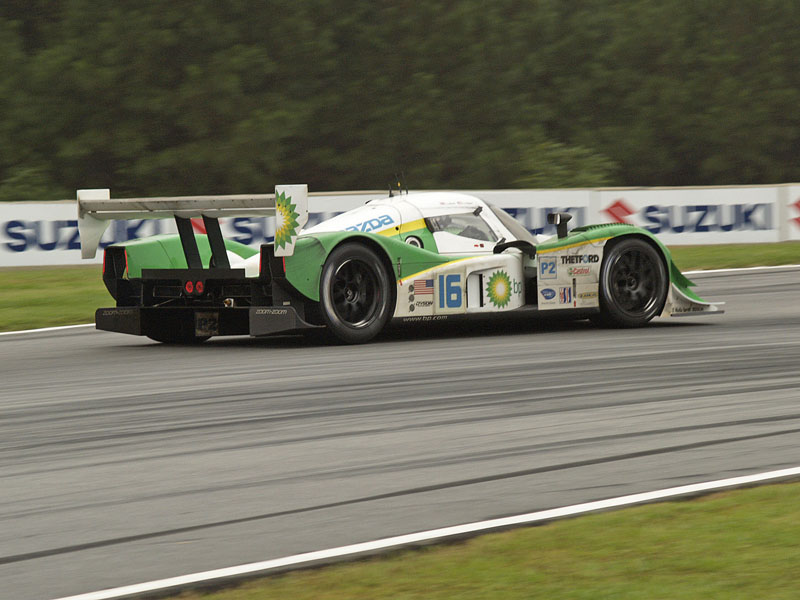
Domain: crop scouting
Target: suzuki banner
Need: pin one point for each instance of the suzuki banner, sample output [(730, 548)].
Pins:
[(697, 216), (46, 233)]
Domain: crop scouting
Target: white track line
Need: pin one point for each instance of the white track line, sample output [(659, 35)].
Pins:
[(444, 533), (46, 329), (740, 269)]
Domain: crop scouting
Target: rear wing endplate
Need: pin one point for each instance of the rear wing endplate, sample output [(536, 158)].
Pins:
[(289, 204)]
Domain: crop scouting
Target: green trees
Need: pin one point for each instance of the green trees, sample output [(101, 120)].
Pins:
[(202, 96)]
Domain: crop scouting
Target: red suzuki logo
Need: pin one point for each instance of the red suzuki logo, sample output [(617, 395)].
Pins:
[(797, 206), (618, 211)]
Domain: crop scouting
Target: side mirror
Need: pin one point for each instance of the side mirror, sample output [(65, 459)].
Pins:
[(526, 247), (560, 220)]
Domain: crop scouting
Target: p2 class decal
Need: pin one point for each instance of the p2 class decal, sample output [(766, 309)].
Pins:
[(548, 268)]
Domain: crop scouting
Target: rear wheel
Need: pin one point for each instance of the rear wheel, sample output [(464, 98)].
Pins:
[(356, 293), (633, 284)]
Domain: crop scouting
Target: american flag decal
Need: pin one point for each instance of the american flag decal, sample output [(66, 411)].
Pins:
[(423, 286)]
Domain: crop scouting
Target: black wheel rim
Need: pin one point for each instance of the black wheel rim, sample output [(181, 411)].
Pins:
[(355, 293), (635, 282)]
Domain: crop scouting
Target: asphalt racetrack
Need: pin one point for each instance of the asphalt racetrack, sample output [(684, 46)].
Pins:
[(123, 460)]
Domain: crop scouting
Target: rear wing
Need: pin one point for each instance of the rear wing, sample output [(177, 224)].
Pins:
[(289, 204)]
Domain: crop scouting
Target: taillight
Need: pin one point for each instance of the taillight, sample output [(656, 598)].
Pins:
[(193, 288), (105, 257)]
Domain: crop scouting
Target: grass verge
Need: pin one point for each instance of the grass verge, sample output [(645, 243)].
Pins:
[(729, 256), (49, 296), (738, 544)]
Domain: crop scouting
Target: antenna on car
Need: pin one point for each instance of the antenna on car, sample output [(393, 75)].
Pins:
[(399, 184)]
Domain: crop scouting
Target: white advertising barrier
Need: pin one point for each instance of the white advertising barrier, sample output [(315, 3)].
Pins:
[(699, 215), (793, 210), (46, 233)]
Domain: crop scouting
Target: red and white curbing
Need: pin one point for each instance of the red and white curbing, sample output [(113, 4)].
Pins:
[(435, 535)]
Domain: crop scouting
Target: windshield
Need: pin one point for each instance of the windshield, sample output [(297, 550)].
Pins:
[(514, 226), (467, 225)]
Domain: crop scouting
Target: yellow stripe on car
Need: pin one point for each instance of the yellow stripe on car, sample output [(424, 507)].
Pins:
[(404, 228), (418, 273), (586, 243)]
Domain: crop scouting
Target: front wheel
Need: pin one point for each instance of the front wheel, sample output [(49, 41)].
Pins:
[(633, 284), (356, 293)]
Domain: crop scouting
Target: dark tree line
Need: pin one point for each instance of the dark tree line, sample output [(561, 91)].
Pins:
[(203, 96)]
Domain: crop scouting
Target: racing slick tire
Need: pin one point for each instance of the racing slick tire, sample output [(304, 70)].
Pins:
[(356, 294), (633, 284)]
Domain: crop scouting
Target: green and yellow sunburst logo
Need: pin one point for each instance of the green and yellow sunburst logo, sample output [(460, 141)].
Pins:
[(499, 289), (285, 220)]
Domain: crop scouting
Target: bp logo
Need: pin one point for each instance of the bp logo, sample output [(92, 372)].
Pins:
[(285, 220), (499, 289)]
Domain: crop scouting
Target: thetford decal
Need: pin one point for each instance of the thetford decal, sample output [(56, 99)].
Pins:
[(575, 259)]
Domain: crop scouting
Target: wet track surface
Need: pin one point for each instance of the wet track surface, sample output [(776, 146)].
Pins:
[(123, 461)]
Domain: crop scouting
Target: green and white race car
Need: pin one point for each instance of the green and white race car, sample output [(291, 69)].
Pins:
[(409, 259)]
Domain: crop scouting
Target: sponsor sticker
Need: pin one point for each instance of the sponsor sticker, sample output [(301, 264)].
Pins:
[(423, 287), (272, 311), (499, 289), (450, 293), (548, 268), (373, 224), (579, 271), (206, 323), (565, 295), (548, 293), (575, 259)]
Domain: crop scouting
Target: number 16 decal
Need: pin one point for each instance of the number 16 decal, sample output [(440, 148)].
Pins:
[(450, 291)]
